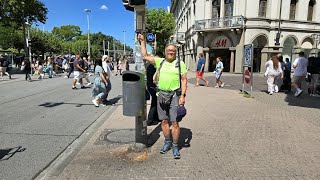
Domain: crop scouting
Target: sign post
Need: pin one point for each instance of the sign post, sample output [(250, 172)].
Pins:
[(247, 63)]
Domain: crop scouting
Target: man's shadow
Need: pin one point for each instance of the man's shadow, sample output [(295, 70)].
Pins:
[(185, 138)]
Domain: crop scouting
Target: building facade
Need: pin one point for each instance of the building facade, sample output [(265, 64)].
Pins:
[(221, 28)]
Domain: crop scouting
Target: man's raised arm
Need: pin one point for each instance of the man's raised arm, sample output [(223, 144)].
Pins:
[(150, 59)]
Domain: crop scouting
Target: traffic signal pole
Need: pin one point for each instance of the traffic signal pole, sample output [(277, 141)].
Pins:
[(139, 9)]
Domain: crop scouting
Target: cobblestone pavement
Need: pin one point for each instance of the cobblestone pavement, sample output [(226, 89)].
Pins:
[(224, 136)]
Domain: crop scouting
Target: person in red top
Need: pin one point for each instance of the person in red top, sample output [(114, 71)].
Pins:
[(200, 70)]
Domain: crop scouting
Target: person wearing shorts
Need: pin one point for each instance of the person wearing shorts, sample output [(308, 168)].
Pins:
[(171, 93), (78, 73), (300, 71), (218, 72), (200, 70)]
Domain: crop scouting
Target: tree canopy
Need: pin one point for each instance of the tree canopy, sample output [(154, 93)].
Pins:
[(67, 32), (161, 23), (17, 12)]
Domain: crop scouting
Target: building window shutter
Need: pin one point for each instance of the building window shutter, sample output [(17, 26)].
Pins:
[(292, 15), (263, 8)]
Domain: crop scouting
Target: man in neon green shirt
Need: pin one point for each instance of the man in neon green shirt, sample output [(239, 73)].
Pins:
[(169, 94)]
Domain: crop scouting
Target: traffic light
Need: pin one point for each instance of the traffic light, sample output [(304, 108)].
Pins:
[(137, 2), (127, 6)]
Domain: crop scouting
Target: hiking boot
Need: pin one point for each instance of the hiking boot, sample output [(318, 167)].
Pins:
[(166, 147), (175, 150)]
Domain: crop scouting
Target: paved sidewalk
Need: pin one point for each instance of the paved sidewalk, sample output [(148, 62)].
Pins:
[(224, 136)]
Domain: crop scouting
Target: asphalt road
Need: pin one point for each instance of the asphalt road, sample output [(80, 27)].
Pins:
[(39, 119)]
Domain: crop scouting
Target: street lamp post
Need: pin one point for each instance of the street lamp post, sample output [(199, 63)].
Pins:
[(316, 38), (88, 11), (29, 45), (124, 46)]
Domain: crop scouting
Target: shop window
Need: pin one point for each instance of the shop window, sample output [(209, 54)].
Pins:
[(263, 8), (310, 10), (228, 8), (293, 5), (216, 4)]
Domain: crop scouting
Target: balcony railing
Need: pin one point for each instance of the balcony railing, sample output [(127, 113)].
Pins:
[(218, 23)]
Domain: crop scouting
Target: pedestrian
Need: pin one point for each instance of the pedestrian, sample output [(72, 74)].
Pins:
[(273, 73), (126, 62), (4, 66), (218, 72), (314, 70), (200, 70), (49, 67), (26, 68), (78, 73), (65, 66), (287, 76), (85, 65), (71, 69), (106, 67), (300, 71), (100, 84), (172, 87), (119, 67), (40, 68)]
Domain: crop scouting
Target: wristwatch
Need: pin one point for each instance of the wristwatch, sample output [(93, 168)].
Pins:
[(184, 95)]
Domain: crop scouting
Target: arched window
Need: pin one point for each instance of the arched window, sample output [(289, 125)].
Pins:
[(228, 8), (310, 10), (292, 15), (263, 8), (216, 4)]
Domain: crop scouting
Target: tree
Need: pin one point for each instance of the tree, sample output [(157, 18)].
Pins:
[(16, 13), (161, 23), (67, 33)]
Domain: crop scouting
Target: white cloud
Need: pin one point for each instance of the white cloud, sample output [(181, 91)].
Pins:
[(104, 7)]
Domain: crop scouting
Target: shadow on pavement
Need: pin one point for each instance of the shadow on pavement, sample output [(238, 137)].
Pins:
[(185, 138), (113, 101), (154, 136), (54, 104), (304, 100), (6, 154)]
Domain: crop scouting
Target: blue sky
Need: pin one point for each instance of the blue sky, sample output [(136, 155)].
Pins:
[(113, 20)]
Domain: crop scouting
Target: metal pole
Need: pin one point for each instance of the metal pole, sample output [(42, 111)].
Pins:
[(155, 43), (114, 52), (108, 49), (29, 48), (141, 124), (88, 35), (124, 46), (104, 48)]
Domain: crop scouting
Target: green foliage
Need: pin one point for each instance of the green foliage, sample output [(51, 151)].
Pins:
[(161, 23), (67, 33), (16, 12)]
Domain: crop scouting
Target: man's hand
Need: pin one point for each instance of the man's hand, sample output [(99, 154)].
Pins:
[(182, 100), (140, 37)]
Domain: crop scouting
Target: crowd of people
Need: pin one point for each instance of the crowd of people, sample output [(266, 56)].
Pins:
[(279, 78)]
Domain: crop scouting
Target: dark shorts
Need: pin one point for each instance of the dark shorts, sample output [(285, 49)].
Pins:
[(168, 112)]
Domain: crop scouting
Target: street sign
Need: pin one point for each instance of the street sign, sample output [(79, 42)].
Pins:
[(248, 54), (150, 37), (247, 76)]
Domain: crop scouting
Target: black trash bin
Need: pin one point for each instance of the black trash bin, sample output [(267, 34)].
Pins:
[(134, 93)]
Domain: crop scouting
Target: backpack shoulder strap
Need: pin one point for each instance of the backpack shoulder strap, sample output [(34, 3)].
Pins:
[(161, 64)]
